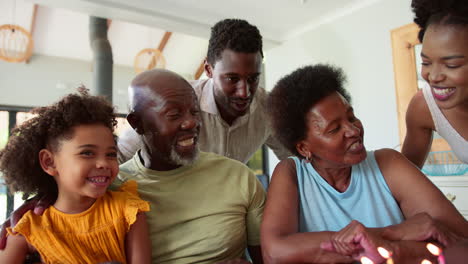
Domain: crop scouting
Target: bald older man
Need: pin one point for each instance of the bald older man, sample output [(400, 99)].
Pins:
[(205, 208)]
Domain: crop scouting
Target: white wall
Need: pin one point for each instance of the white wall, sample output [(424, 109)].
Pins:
[(359, 43), (45, 79)]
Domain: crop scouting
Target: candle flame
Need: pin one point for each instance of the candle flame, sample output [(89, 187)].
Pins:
[(384, 253), (425, 261), (435, 250), (366, 260)]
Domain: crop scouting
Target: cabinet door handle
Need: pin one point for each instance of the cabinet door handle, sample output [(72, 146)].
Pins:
[(451, 197)]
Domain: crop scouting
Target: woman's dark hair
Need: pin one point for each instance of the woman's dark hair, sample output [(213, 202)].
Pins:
[(439, 12), (234, 34), (19, 160), (295, 94)]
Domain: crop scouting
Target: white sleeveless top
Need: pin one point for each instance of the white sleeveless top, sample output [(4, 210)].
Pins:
[(458, 144)]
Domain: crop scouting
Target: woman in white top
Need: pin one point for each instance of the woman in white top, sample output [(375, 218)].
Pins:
[(442, 106)]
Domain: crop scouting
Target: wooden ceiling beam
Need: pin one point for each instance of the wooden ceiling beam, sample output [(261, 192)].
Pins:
[(200, 70), (164, 40), (33, 25), (162, 45)]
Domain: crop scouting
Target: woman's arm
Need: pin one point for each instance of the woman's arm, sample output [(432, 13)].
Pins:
[(418, 196), (427, 212), (457, 254), (419, 126), (137, 242), (281, 242), (15, 251)]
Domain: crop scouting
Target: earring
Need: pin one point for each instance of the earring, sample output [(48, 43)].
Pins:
[(308, 157)]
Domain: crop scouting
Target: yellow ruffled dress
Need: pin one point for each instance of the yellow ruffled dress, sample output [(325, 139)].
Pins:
[(93, 236)]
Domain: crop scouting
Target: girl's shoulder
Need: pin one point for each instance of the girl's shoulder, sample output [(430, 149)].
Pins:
[(127, 199), (129, 188)]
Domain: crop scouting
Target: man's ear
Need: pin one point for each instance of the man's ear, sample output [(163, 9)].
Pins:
[(135, 121), (208, 69), (46, 159), (303, 149)]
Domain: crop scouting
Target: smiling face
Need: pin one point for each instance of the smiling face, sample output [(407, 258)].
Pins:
[(85, 164), (169, 122), (235, 78), (335, 136), (445, 64)]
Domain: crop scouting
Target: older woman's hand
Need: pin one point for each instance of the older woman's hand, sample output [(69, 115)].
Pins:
[(344, 241), (357, 241), (422, 227)]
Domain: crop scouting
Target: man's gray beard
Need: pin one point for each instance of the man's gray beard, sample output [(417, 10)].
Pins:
[(177, 159)]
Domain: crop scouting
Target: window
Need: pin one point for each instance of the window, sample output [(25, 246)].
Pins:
[(122, 124), (3, 139), (408, 80), (259, 164), (255, 163), (406, 64), (9, 116)]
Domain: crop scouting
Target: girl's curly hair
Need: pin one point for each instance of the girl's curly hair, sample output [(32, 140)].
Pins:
[(19, 160), (443, 12)]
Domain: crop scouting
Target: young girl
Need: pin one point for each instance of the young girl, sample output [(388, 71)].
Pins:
[(442, 105), (68, 151)]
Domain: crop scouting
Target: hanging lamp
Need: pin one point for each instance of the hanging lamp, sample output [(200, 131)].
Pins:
[(16, 43), (148, 59)]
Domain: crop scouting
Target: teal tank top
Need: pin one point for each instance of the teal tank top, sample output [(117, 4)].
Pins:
[(367, 199)]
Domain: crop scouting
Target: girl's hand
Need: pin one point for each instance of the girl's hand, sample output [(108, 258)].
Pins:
[(369, 242)]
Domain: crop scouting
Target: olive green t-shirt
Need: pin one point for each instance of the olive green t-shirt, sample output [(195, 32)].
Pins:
[(203, 213)]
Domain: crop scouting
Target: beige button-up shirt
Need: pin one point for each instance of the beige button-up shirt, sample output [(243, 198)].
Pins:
[(238, 141)]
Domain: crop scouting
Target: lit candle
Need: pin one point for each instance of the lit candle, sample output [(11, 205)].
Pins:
[(441, 259), (425, 261), (366, 260), (385, 254), (435, 250)]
